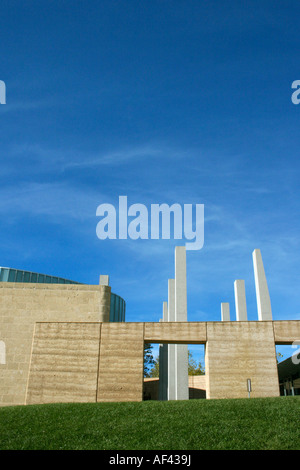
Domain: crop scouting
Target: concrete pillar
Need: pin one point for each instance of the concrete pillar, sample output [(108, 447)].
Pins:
[(160, 383), (262, 292), (180, 284), (171, 347), (165, 311), (225, 311), (104, 280), (165, 358), (163, 362), (240, 300), (181, 350), (182, 378), (104, 299), (171, 300)]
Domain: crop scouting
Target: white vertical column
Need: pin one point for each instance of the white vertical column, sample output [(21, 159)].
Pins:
[(161, 370), (225, 311), (105, 315), (262, 292), (180, 284), (165, 311), (181, 350), (171, 347), (163, 362), (240, 300), (165, 357), (104, 280)]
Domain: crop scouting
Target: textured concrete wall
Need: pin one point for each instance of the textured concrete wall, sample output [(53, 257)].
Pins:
[(64, 363), (197, 386), (197, 381), (75, 357), (121, 362), (286, 332), (237, 351), (176, 332), (21, 306)]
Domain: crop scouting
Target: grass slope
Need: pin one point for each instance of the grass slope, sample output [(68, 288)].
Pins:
[(261, 423)]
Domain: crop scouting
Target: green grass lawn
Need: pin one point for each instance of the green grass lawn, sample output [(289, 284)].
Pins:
[(261, 423)]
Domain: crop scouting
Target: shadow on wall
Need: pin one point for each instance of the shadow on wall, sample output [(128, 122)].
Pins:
[(196, 393)]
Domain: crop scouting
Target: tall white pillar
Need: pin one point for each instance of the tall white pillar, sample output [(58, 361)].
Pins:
[(165, 357), (180, 284), (105, 314), (240, 300), (181, 350), (161, 369), (262, 292), (171, 347), (165, 311), (225, 311), (163, 362)]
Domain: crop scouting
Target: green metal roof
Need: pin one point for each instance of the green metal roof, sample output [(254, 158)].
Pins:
[(17, 275)]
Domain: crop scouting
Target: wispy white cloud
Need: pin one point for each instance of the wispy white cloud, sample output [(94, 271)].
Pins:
[(116, 157), (66, 158), (57, 201), (16, 106)]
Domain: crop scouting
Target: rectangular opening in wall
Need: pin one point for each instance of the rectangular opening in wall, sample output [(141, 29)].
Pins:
[(288, 363), (151, 371), (159, 384), (196, 371)]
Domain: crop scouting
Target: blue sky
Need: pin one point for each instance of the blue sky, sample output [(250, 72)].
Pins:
[(165, 102)]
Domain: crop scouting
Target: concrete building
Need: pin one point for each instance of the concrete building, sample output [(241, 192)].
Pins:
[(57, 344), (27, 300), (117, 304)]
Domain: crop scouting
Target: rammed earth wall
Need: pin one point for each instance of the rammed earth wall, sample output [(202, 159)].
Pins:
[(59, 349)]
